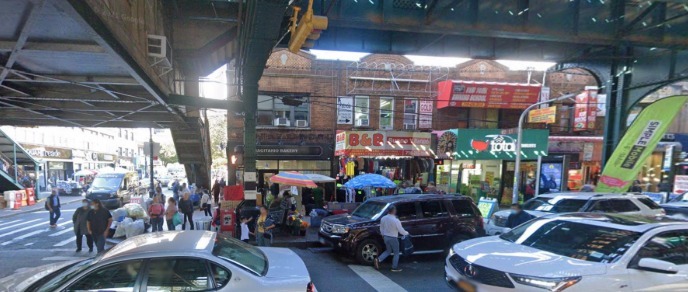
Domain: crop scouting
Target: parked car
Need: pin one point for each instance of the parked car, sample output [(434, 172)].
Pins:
[(435, 222), (630, 203), (115, 186), (677, 207), (576, 252), (173, 261)]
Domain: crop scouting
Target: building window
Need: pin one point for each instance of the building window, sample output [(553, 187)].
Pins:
[(410, 113), (386, 113), (283, 111), (362, 111)]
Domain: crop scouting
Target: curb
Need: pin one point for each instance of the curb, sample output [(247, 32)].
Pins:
[(38, 203)]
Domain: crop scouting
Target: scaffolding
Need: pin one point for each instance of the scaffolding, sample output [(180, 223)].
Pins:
[(393, 79)]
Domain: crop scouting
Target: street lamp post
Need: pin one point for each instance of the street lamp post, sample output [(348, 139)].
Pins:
[(519, 136)]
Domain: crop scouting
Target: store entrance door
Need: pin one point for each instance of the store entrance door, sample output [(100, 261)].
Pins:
[(264, 176)]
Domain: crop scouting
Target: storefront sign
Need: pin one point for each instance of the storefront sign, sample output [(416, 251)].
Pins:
[(638, 143), (588, 151), (106, 157), (486, 94), (287, 151), (586, 109), (546, 115), (490, 144), (425, 114), (668, 158), (48, 152), (383, 143), (345, 113), (544, 95), (680, 184)]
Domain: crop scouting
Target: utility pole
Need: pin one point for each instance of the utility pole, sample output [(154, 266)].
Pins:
[(519, 137)]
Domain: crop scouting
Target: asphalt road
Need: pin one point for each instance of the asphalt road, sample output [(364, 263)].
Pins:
[(26, 241)]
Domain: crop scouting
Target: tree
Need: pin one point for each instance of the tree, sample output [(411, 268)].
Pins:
[(168, 154), (218, 136)]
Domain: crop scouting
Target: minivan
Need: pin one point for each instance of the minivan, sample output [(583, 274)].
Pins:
[(114, 187), (435, 223)]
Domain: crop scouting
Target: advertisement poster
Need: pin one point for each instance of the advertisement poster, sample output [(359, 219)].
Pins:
[(345, 114), (425, 115), (550, 176), (585, 111), (637, 144), (486, 94), (544, 95), (546, 115), (680, 184)]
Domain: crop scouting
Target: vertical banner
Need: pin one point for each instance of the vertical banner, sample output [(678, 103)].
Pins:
[(544, 95), (345, 114), (586, 109), (425, 117), (637, 144)]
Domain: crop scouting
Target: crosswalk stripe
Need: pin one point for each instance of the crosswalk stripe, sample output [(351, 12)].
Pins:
[(376, 279), (64, 242), (29, 227), (2, 224), (22, 237), (19, 224), (61, 232)]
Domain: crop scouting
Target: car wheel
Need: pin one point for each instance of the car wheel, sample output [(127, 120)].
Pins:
[(367, 251)]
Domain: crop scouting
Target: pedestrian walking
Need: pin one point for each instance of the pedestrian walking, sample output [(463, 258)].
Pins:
[(206, 204), (216, 190), (175, 189), (390, 228), (170, 212), (158, 192), (98, 224), (187, 208), (263, 227), (80, 221), (156, 210), (244, 229), (517, 216), (53, 205)]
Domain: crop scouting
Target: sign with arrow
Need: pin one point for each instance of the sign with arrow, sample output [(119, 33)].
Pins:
[(345, 113)]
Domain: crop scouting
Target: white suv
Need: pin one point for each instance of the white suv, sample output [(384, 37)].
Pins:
[(630, 203), (575, 252)]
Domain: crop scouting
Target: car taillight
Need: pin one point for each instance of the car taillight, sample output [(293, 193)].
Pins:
[(479, 221), (310, 287)]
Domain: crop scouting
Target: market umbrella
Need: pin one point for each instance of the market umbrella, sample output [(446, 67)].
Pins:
[(370, 180), (85, 172), (293, 178), (319, 178)]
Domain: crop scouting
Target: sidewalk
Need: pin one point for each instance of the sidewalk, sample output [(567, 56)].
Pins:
[(39, 206)]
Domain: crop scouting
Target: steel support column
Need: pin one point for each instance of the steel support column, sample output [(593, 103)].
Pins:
[(250, 99), (617, 90)]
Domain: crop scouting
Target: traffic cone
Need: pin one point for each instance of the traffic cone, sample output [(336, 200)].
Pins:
[(17, 201)]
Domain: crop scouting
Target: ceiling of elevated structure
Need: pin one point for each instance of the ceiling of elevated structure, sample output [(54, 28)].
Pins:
[(56, 70), (548, 30)]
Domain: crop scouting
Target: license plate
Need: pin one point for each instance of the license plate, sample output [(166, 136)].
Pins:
[(466, 286)]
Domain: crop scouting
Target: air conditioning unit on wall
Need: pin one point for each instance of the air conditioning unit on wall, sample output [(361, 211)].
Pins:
[(362, 123), (157, 46), (409, 127), (281, 122), (301, 123)]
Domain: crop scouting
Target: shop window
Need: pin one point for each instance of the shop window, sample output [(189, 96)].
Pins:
[(362, 111), (283, 111), (386, 113), (410, 114)]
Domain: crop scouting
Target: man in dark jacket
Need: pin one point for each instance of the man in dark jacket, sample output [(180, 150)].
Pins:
[(517, 216), (216, 191), (53, 205), (98, 224), (80, 220)]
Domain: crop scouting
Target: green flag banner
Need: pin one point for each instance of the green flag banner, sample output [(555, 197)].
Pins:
[(637, 144)]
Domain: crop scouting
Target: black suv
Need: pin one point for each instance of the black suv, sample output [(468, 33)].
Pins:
[(435, 223)]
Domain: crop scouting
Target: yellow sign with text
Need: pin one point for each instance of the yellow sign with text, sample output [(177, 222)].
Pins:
[(544, 115)]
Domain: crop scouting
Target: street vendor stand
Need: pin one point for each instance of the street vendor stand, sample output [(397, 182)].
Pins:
[(288, 217)]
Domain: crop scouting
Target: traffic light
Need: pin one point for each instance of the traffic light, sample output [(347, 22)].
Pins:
[(308, 28)]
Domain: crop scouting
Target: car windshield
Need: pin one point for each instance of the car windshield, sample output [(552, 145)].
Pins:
[(370, 210), (241, 254), (63, 275), (573, 239), (554, 205), (109, 182)]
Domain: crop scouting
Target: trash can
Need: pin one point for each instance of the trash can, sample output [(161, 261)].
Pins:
[(202, 224)]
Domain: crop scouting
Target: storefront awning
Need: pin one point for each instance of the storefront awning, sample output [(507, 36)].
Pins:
[(7, 148), (490, 144), (392, 144), (481, 94)]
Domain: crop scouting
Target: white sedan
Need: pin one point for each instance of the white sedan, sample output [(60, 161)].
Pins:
[(173, 261), (576, 252)]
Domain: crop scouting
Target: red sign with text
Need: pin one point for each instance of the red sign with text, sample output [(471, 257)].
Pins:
[(383, 143), (486, 94)]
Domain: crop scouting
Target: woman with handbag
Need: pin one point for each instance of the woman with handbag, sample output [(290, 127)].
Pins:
[(263, 227), (156, 211), (171, 213)]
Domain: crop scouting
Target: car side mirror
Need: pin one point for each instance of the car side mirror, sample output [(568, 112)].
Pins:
[(657, 266)]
